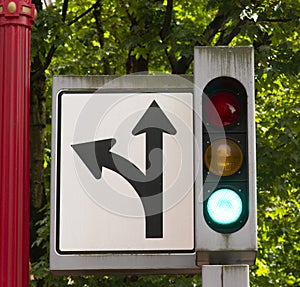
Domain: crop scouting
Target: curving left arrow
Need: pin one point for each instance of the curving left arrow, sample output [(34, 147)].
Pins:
[(97, 154)]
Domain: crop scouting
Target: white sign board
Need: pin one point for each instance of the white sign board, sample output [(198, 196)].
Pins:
[(133, 205)]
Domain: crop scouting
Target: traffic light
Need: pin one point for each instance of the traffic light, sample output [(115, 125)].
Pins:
[(225, 176), (225, 133)]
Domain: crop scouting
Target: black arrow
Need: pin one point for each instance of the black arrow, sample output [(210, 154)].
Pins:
[(154, 123), (97, 155), (149, 187)]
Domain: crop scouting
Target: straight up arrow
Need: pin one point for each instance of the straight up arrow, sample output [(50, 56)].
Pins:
[(154, 123)]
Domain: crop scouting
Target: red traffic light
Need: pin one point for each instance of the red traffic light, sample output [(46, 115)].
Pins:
[(222, 109)]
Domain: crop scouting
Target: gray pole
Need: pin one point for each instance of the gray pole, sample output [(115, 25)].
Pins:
[(225, 276)]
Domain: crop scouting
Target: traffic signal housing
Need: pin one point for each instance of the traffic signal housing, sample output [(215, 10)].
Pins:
[(225, 135)]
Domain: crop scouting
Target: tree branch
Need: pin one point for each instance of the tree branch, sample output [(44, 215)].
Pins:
[(54, 47), (172, 59), (226, 39), (213, 28), (167, 21), (50, 55), (76, 19), (97, 15), (180, 66), (64, 10), (130, 17)]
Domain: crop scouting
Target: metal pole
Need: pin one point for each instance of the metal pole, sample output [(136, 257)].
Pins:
[(16, 19), (225, 276)]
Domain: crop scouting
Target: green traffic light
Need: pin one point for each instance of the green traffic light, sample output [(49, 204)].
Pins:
[(224, 206)]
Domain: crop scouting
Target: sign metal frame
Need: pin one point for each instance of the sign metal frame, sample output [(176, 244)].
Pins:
[(142, 262)]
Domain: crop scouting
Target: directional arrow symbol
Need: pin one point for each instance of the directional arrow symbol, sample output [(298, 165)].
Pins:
[(96, 155), (87, 153), (154, 118), (154, 123)]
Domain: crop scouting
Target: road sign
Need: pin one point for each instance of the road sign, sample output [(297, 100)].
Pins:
[(123, 177)]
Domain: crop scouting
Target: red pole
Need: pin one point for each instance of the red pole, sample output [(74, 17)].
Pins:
[(16, 19)]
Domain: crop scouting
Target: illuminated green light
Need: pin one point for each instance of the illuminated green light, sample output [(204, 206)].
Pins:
[(224, 206)]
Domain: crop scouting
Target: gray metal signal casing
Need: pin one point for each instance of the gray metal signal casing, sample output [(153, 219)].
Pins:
[(212, 247)]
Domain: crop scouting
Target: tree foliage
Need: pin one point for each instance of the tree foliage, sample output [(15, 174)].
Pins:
[(124, 36)]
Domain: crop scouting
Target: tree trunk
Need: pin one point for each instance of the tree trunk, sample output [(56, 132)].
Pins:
[(134, 65), (37, 127)]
